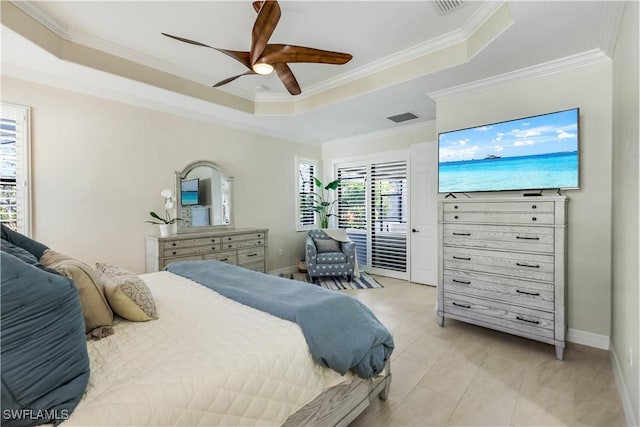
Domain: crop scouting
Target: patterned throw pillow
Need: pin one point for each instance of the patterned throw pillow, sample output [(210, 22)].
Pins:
[(128, 295)]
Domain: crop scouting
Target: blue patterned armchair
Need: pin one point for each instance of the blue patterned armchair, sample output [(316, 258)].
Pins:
[(328, 257)]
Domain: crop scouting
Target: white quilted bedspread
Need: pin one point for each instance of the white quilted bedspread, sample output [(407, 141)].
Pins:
[(207, 360)]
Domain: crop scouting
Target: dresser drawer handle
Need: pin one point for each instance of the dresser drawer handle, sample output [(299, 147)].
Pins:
[(519, 264), (173, 244), (224, 259), (230, 246), (455, 217), (527, 238), (462, 305), (462, 234), (213, 248), (534, 219), (464, 282), (252, 254), (537, 322), (462, 258), (534, 207), (174, 252), (455, 207), (535, 294)]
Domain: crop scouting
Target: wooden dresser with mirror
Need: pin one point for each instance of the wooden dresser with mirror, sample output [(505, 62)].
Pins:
[(204, 203)]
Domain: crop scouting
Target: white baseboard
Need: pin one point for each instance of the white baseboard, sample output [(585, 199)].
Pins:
[(627, 407), (588, 338)]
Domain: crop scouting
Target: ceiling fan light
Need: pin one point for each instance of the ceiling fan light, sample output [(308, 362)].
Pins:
[(262, 68)]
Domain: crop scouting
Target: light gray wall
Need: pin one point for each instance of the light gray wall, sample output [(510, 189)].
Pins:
[(589, 231), (99, 167), (625, 212)]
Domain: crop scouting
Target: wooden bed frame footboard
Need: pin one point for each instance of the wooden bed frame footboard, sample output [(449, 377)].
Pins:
[(340, 405)]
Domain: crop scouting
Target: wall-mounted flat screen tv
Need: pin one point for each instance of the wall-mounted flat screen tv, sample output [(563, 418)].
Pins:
[(531, 153), (189, 192)]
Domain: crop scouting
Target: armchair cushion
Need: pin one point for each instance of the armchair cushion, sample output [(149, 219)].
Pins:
[(331, 258)]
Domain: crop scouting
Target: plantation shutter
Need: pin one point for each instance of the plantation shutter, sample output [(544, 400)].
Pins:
[(389, 214), (352, 207), (306, 215), (352, 211), (14, 168)]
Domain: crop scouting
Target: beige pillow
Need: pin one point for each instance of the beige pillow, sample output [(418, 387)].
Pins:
[(95, 308), (127, 293)]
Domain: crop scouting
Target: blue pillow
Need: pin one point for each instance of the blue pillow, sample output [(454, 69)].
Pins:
[(18, 252), (45, 365), (33, 247), (24, 255)]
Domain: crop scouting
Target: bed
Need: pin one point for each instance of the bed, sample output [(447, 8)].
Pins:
[(210, 360)]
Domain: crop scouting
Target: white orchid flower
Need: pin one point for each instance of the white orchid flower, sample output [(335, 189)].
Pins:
[(168, 205)]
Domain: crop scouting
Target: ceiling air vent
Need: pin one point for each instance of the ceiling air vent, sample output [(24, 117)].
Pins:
[(447, 6), (402, 117)]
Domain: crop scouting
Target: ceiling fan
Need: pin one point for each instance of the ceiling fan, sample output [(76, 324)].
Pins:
[(264, 58)]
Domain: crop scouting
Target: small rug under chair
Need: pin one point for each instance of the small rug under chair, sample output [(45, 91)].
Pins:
[(365, 281)]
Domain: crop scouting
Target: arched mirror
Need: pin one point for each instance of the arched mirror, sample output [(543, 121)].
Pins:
[(203, 197)]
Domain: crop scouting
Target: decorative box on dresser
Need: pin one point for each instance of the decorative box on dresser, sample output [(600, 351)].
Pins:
[(502, 265), (243, 247)]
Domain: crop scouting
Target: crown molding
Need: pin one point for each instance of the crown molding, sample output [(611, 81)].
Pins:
[(614, 11), (163, 101), (461, 35), (574, 61), (33, 10), (481, 16)]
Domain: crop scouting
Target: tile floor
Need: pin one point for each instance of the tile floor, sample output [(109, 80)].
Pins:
[(467, 375)]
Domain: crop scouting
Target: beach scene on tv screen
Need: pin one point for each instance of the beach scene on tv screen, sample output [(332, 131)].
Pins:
[(530, 153)]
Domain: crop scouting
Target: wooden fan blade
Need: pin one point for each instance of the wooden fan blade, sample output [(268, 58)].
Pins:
[(182, 39), (288, 79), (242, 57), (265, 24), (275, 53), (230, 79)]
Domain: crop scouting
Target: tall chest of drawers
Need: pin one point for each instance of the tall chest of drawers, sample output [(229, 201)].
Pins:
[(502, 265), (243, 247)]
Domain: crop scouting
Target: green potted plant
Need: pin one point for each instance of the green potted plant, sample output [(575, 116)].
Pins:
[(321, 203), (166, 223)]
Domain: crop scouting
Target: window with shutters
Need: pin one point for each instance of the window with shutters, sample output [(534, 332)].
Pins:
[(306, 170), (15, 195)]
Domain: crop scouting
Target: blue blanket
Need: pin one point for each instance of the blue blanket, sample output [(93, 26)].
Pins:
[(342, 333)]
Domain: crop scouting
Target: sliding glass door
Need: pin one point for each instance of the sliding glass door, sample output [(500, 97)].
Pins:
[(373, 207), (389, 208), (352, 207)]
